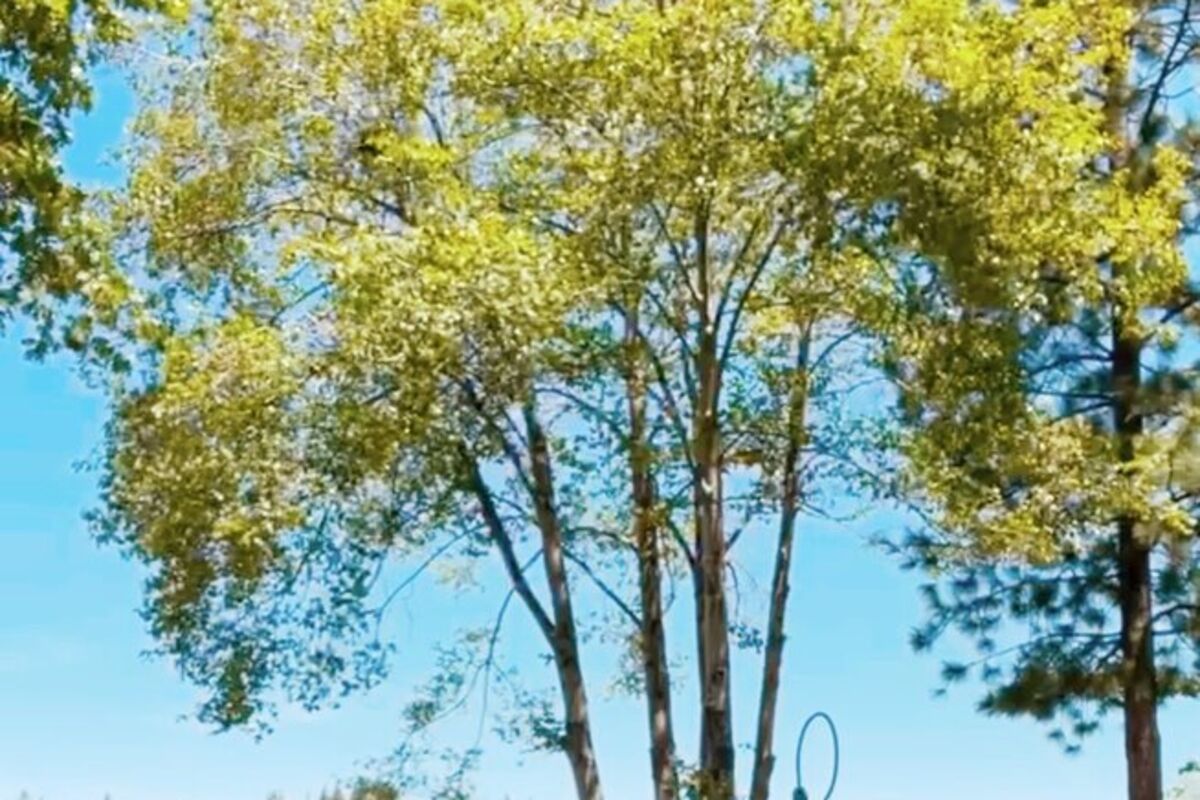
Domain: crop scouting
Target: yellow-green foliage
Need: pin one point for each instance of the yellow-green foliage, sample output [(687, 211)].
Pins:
[(45, 48), (355, 234), (1045, 394)]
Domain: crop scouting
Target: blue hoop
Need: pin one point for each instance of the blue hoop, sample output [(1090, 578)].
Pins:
[(801, 794)]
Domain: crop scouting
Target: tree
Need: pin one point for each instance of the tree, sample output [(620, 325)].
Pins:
[(1048, 407), (45, 47), (365, 790), (361, 789), (555, 282)]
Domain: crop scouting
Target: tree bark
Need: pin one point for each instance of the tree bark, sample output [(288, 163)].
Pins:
[(1135, 581), (764, 754), (647, 540), (560, 638), (716, 738), (1139, 672), (1142, 745), (564, 640)]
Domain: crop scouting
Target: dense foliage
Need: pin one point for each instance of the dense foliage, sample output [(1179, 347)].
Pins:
[(46, 46), (591, 285), (1049, 412)]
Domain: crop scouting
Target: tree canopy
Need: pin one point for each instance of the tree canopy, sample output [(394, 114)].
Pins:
[(592, 286)]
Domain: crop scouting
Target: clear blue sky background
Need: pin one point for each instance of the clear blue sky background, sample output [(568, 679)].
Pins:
[(83, 714)]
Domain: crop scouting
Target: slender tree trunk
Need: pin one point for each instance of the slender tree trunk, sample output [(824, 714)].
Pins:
[(1142, 746), (646, 536), (701, 660), (1139, 673), (717, 728), (764, 752), (564, 640), (716, 742), (561, 638)]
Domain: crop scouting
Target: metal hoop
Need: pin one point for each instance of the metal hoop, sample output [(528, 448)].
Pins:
[(801, 794)]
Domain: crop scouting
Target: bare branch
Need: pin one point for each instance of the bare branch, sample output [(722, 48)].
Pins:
[(607, 590)]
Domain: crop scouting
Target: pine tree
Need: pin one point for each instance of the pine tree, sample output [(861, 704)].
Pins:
[(1048, 409)]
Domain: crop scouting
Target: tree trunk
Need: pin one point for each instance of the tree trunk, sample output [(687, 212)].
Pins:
[(646, 536), (564, 640), (712, 634), (716, 740), (764, 753), (1138, 670), (1142, 746)]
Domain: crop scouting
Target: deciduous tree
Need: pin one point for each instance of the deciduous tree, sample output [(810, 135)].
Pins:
[(559, 283)]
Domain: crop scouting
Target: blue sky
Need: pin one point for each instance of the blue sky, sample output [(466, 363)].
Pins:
[(83, 714)]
